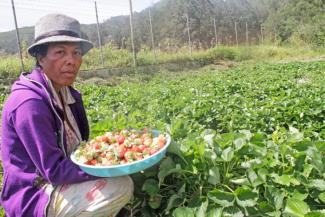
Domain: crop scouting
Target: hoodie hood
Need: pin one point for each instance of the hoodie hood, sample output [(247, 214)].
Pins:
[(34, 81), (34, 85)]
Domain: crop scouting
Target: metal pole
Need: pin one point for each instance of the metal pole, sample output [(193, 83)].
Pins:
[(99, 39), (262, 34), (131, 27), (215, 31), (189, 35), (236, 33), (152, 38), (246, 34), (17, 35), (274, 37)]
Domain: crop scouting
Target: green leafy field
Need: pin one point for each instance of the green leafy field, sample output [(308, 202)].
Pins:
[(246, 142), (249, 141)]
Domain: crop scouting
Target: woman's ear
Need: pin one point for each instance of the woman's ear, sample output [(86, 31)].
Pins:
[(40, 60)]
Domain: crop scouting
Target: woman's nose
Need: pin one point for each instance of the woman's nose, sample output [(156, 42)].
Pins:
[(71, 58)]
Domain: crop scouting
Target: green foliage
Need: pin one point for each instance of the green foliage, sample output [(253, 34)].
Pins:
[(298, 22), (246, 142), (10, 67), (116, 58), (249, 141), (223, 53)]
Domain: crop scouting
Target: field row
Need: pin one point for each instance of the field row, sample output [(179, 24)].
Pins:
[(246, 142)]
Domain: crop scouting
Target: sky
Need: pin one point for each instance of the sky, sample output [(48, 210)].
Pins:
[(29, 11)]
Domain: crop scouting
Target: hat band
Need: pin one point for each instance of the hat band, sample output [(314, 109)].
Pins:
[(56, 33)]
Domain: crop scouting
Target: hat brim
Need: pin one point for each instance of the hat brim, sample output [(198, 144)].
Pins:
[(85, 44)]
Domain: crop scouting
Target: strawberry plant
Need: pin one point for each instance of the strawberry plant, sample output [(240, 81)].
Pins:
[(246, 142), (249, 141)]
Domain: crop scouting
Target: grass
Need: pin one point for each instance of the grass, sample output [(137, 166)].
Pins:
[(10, 66)]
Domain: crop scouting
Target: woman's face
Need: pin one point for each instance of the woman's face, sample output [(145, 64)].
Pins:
[(61, 63)]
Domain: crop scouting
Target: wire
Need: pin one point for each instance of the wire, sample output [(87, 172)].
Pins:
[(86, 15), (49, 7), (84, 10), (114, 9), (55, 10), (85, 4), (75, 9)]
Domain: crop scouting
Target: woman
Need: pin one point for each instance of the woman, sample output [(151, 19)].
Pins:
[(43, 120)]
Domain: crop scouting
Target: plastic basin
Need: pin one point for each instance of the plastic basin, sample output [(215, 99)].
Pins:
[(128, 168)]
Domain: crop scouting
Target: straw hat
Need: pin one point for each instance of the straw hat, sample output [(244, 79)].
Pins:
[(58, 28)]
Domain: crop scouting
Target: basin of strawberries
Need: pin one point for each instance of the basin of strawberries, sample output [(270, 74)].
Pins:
[(121, 152)]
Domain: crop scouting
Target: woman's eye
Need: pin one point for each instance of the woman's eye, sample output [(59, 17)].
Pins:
[(78, 52), (59, 52)]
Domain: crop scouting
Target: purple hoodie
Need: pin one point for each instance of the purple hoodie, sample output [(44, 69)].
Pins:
[(34, 146)]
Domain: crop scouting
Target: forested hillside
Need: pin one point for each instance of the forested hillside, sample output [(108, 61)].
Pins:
[(299, 22)]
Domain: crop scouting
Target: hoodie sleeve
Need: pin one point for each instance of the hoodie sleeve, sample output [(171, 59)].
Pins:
[(34, 124)]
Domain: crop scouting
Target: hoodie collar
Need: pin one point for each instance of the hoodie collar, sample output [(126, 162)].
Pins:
[(65, 93), (32, 80), (39, 77)]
